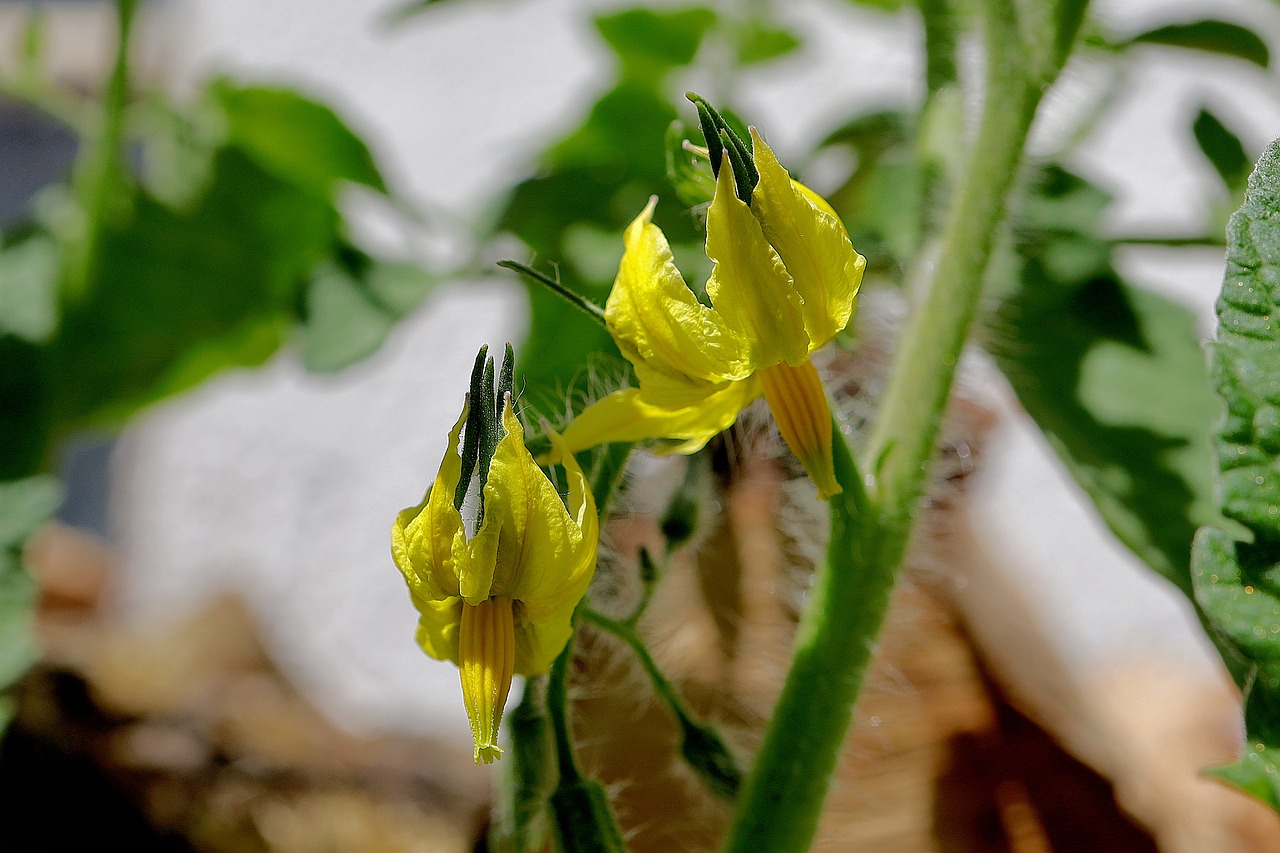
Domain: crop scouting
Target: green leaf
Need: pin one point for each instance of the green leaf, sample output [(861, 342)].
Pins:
[(1223, 149), (886, 5), (1257, 774), (25, 407), (688, 173), (182, 294), (1237, 577), (647, 40), (762, 42), (296, 139), (29, 287), (352, 307), (1112, 374), (595, 181), (25, 505), (1212, 36), (180, 147), (18, 650)]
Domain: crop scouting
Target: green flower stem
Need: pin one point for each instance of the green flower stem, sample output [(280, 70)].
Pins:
[(542, 737), (580, 807), (577, 300), (528, 776), (700, 744), (782, 799), (100, 174), (929, 350)]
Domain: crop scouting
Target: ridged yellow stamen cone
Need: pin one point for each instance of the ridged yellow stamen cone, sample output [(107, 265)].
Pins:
[(486, 660), (800, 408)]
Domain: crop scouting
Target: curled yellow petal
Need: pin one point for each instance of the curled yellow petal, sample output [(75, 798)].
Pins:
[(813, 245), (749, 286), (540, 546), (634, 414), (800, 408), (658, 322), (486, 660), (438, 621), (428, 540)]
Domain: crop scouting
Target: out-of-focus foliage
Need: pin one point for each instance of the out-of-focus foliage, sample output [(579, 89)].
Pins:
[(215, 245), (24, 505), (1237, 573), (1212, 36), (1113, 374), (595, 180)]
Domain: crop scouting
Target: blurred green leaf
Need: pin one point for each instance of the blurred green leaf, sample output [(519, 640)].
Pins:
[(1223, 149), (880, 199), (24, 505), (689, 175), (297, 139), (886, 5), (646, 40), (1211, 36), (179, 149), (182, 294), (1255, 773), (764, 42), (1237, 577), (29, 295), (25, 409), (353, 306), (1112, 374), (596, 180)]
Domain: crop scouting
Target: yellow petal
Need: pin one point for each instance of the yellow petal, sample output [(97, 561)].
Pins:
[(547, 599), (803, 415), (634, 414), (812, 243), (539, 545), (657, 321), (749, 286), (486, 660), (540, 642), (428, 540), (438, 628)]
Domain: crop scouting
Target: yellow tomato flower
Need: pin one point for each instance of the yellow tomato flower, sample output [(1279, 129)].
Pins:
[(498, 602), (784, 284)]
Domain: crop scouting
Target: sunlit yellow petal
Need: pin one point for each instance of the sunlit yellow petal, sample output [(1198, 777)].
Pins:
[(656, 320), (438, 627), (537, 539), (539, 641), (427, 540), (749, 286), (486, 661), (812, 243), (800, 409), (633, 415)]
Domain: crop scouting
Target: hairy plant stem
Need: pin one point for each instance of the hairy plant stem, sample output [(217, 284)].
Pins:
[(782, 799)]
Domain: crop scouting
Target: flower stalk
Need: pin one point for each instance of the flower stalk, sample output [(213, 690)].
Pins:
[(783, 796)]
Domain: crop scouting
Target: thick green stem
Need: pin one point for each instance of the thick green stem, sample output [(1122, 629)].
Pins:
[(100, 173), (780, 803), (782, 799), (929, 350)]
